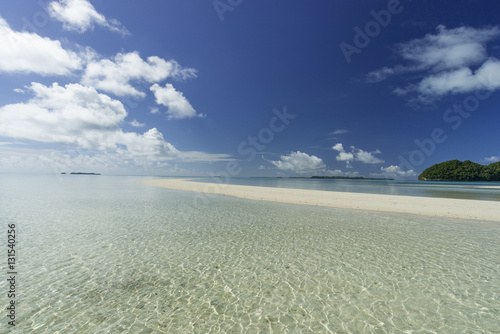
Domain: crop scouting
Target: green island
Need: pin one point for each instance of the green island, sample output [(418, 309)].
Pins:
[(455, 170), (350, 178), (81, 173)]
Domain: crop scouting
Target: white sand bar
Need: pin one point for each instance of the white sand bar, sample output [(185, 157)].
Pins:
[(430, 206)]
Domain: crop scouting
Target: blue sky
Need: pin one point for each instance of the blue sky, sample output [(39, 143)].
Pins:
[(248, 88)]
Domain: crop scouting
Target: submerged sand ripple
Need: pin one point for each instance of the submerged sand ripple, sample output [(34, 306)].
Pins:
[(122, 257)]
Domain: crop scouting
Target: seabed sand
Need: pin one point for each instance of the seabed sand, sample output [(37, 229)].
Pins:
[(429, 206)]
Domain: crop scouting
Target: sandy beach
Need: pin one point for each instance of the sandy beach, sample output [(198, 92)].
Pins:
[(440, 207), (486, 187)]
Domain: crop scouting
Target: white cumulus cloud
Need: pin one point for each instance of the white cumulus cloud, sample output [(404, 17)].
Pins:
[(80, 118), (446, 60), (115, 75), (299, 162), (493, 158), (367, 157), (343, 155), (137, 124), (80, 15), (396, 171), (73, 114), (178, 106), (23, 52), (462, 80), (356, 154)]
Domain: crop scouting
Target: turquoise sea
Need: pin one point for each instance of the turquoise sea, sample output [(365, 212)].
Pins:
[(106, 254)]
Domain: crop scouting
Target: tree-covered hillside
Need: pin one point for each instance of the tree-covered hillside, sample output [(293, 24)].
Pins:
[(455, 170)]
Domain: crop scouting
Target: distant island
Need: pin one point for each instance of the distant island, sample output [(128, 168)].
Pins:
[(455, 170), (80, 173), (341, 177)]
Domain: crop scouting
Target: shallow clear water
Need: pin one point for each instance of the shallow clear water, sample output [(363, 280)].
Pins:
[(108, 255), (464, 190)]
